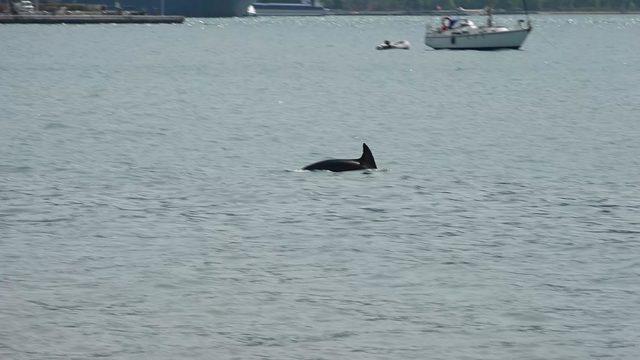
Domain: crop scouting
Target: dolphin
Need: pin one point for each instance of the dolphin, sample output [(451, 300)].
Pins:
[(366, 161)]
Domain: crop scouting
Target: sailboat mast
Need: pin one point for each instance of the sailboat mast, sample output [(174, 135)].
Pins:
[(526, 13)]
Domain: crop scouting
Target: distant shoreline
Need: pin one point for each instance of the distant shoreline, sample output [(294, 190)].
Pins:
[(586, 13), (456, 12), (6, 18)]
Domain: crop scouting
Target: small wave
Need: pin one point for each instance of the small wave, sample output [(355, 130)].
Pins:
[(15, 169), (605, 206), (52, 307), (342, 335), (614, 231), (53, 220), (56, 125), (622, 231), (372, 209)]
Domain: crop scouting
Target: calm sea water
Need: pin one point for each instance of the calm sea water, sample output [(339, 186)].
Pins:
[(151, 206)]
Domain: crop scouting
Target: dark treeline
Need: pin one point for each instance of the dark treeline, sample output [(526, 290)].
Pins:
[(535, 5)]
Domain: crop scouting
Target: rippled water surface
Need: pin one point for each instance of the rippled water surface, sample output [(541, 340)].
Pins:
[(151, 206)]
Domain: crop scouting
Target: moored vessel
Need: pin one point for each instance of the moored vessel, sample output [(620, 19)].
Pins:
[(463, 34), (304, 8), (188, 8)]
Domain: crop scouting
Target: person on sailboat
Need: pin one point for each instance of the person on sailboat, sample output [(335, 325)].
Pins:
[(446, 23), (489, 13), (449, 22)]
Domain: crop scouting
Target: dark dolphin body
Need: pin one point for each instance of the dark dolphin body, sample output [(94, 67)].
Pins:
[(366, 161)]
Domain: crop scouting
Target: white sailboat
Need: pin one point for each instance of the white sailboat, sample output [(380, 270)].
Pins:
[(464, 34)]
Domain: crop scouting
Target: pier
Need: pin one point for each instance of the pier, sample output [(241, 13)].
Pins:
[(90, 19)]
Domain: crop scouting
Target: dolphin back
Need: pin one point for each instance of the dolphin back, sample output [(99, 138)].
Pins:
[(335, 165), (366, 161)]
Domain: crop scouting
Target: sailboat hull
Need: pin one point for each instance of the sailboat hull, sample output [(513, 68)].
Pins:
[(511, 39)]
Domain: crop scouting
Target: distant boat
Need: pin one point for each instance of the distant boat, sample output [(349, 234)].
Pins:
[(305, 8), (23, 7), (464, 34), (402, 44), (188, 8)]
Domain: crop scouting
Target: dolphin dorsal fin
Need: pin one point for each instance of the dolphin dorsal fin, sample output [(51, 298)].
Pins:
[(367, 158)]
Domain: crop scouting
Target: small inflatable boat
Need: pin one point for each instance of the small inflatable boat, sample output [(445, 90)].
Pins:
[(402, 44)]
